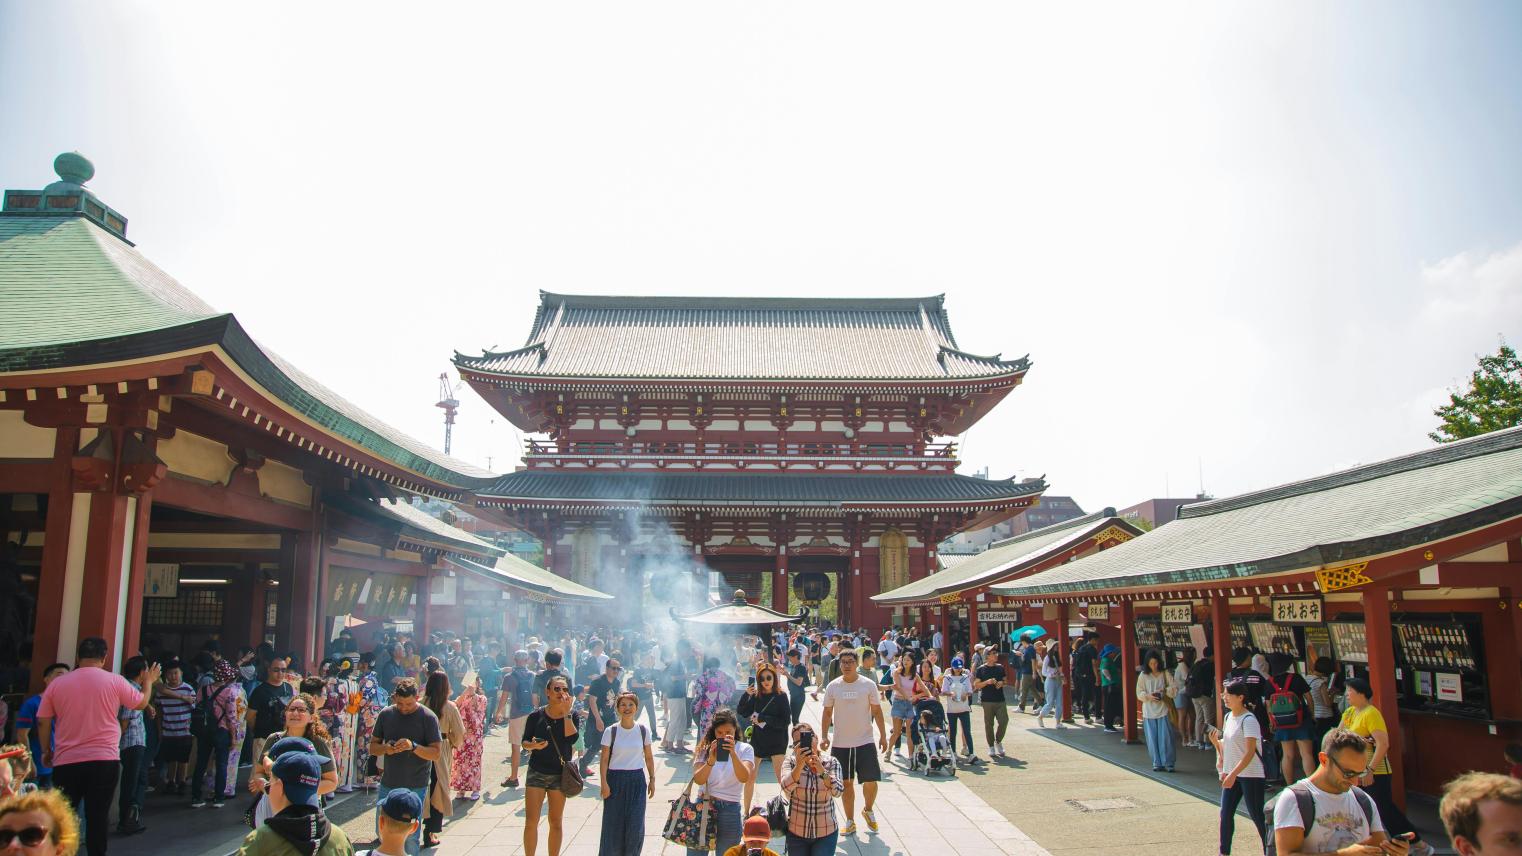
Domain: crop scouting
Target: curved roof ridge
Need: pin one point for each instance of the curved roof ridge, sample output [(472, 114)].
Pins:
[(1485, 444), (669, 301), (1075, 523)]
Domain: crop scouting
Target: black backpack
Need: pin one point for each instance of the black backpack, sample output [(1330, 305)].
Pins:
[(203, 717), (1307, 806)]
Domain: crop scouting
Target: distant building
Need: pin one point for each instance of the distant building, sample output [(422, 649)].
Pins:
[(1155, 512), (1050, 511)]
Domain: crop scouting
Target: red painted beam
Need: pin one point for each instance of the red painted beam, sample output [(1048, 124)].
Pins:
[(25, 476), (220, 502)]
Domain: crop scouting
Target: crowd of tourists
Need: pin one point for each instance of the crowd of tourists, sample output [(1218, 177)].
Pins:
[(408, 722)]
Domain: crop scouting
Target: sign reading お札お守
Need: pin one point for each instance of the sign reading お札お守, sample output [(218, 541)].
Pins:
[(1306, 609)]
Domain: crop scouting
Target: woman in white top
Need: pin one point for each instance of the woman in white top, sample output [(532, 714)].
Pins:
[(1239, 766), (722, 765), (1050, 667), (956, 689), (1155, 690), (627, 772)]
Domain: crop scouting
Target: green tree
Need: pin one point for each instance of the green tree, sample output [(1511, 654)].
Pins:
[(1492, 402)]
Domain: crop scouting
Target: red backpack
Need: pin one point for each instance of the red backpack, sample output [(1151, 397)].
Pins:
[(1284, 707)]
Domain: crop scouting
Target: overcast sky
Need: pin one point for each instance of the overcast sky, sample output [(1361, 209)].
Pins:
[(1254, 239)]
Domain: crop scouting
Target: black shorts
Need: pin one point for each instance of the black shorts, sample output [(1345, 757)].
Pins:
[(858, 762), (174, 750)]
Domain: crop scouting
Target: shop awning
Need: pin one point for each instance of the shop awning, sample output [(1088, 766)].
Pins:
[(1010, 557), (512, 571), (1320, 523)]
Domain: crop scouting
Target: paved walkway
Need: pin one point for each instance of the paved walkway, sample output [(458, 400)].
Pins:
[(1071, 791)]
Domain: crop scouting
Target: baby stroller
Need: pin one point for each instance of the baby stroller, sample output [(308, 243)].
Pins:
[(932, 746)]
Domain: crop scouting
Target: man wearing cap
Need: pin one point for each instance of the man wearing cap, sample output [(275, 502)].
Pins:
[(407, 739), (754, 836), (298, 825), (399, 813)]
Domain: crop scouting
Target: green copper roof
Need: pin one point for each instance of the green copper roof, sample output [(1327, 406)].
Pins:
[(1005, 557), (758, 488), (742, 338), (73, 294), (1334, 519)]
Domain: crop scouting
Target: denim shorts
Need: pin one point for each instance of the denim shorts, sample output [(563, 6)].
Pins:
[(1284, 735), (903, 709)]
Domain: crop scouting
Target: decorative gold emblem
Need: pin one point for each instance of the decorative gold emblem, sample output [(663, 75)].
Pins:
[(1344, 577), (1427, 555), (1112, 533), (954, 597), (858, 411), (782, 411)]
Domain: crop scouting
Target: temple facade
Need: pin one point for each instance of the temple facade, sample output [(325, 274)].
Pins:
[(784, 443)]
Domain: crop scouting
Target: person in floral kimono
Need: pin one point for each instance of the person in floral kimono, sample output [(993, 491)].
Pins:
[(465, 772), (345, 690), (239, 731), (372, 700), (716, 689)]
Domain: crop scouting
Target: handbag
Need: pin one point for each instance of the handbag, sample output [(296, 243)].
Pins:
[(776, 815), (692, 823), (571, 782)]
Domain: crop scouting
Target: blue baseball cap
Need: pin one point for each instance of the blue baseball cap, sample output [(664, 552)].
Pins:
[(290, 744), (300, 773), (402, 805), (956, 662)]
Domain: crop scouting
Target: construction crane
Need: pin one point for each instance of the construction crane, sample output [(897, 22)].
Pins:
[(450, 405)]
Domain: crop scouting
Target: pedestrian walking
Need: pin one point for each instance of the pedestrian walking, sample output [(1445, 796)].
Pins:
[(298, 825), (440, 802), (1027, 672), (797, 678), (83, 749), (550, 735), (1050, 666), (1239, 766), (222, 700), (26, 725), (266, 704), (1201, 689), (134, 748), (764, 711), (1155, 691), (407, 737), (722, 765), (174, 698), (811, 780), (1111, 686), (627, 772), (1289, 710), (517, 696), (715, 689), (1085, 678), (852, 705), (602, 693), (1183, 708), (1364, 719), (956, 689), (303, 731), (1327, 813), (465, 767), (644, 683), (1323, 708), (988, 680)]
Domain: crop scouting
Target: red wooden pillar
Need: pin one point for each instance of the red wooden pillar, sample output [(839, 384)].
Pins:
[(304, 607), (132, 635), (1513, 598), (424, 605), (1065, 655), (1381, 636), (857, 616), (49, 644), (779, 580), (943, 626), (972, 626), (1128, 670), (1220, 643)]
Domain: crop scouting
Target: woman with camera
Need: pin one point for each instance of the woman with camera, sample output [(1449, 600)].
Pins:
[(764, 708), (811, 781), (722, 765)]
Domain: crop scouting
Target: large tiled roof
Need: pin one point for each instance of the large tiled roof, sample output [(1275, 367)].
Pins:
[(1005, 557), (511, 570), (425, 528), (576, 336), (1333, 519), (821, 490), (73, 294)]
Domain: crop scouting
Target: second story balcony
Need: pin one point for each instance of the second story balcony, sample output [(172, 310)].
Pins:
[(741, 454)]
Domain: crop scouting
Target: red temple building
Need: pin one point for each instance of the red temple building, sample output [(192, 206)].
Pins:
[(772, 440)]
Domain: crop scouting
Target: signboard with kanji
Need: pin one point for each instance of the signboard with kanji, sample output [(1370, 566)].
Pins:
[(1176, 613), (1098, 611), (1298, 609)]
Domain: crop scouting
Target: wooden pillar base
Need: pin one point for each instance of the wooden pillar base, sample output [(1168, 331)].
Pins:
[(1128, 664)]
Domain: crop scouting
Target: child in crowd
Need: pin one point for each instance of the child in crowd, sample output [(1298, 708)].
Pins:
[(399, 813)]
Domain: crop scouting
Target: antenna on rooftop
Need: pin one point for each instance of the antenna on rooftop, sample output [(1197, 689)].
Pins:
[(451, 405)]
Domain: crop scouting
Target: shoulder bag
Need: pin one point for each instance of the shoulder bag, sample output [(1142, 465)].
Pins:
[(571, 782), (692, 823)]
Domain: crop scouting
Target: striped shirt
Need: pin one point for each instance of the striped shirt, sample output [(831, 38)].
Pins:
[(811, 808), (175, 714)]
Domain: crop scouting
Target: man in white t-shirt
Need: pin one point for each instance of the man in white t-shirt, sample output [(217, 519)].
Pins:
[(887, 649), (1345, 821), (851, 704), (935, 638)]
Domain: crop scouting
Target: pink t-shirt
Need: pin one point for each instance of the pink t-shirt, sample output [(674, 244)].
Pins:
[(83, 704)]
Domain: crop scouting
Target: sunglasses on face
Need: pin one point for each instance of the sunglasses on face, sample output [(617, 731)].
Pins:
[(560, 691), (301, 710), (29, 837), (1350, 774)]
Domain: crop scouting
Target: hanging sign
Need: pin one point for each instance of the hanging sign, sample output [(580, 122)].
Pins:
[(993, 615), (1298, 609), (1177, 613), (344, 586), (1449, 687), (161, 579), (1097, 611)]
